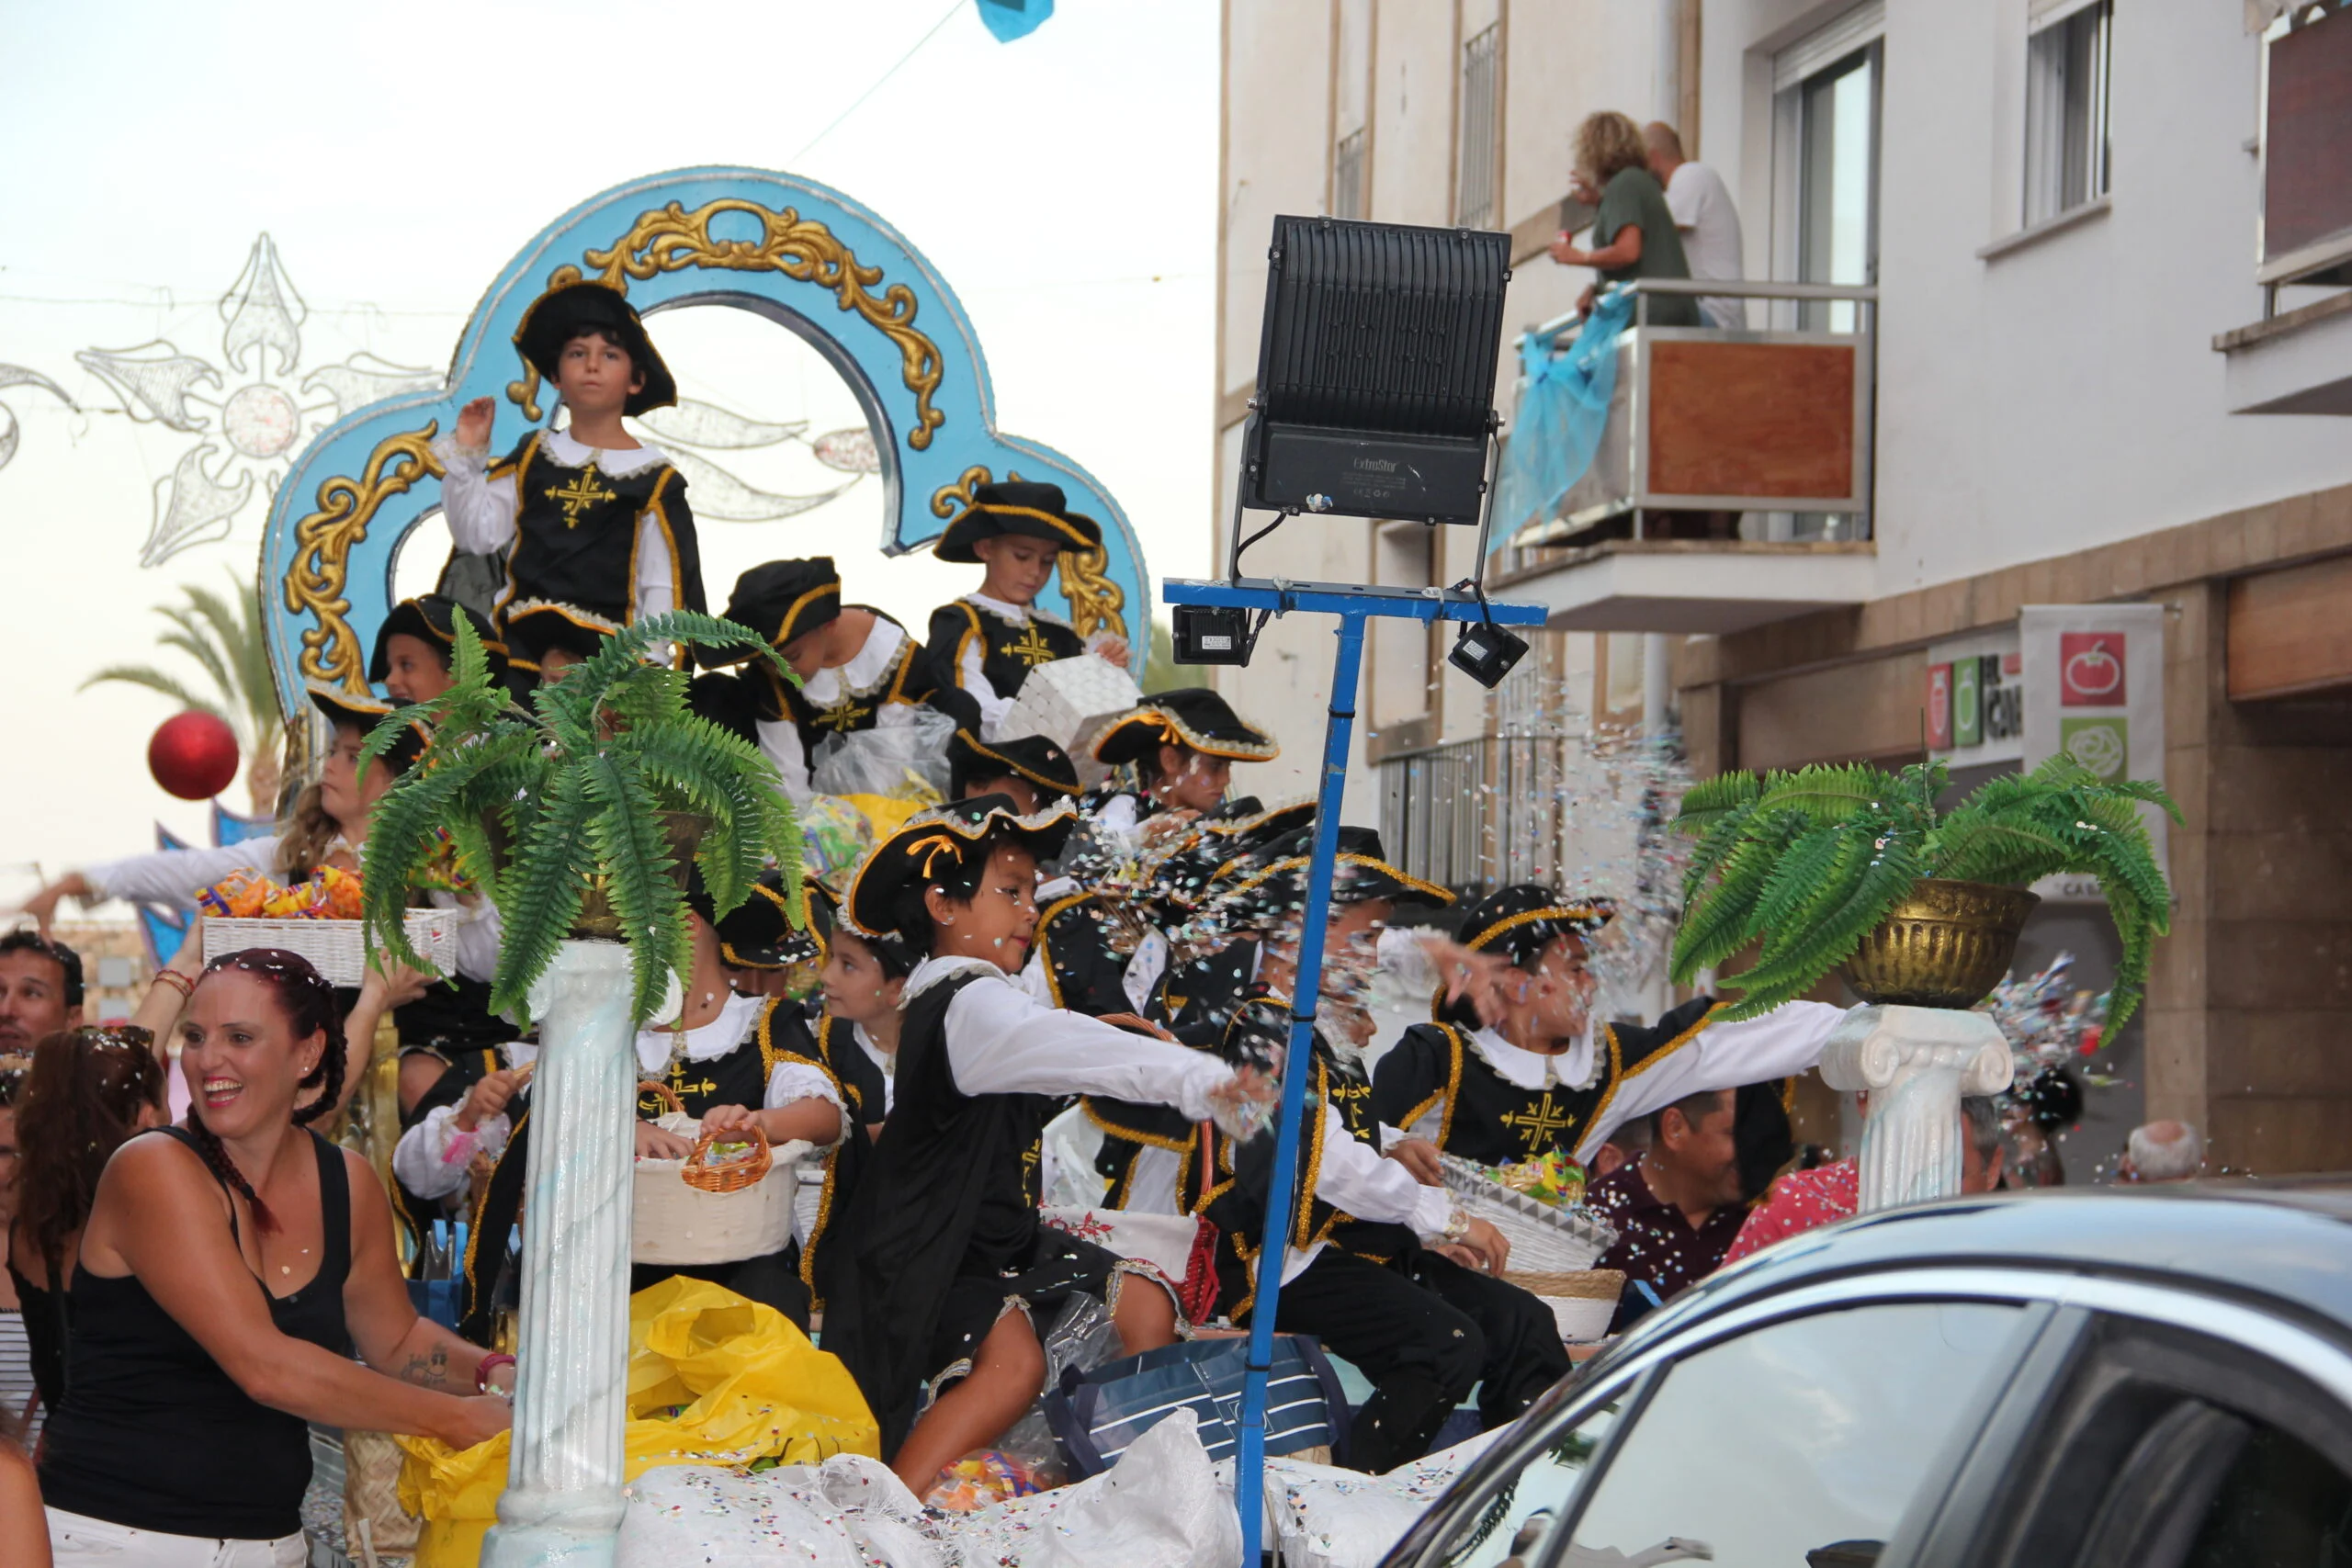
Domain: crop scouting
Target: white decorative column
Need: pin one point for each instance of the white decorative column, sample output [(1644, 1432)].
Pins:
[(1916, 1062), (563, 1503)]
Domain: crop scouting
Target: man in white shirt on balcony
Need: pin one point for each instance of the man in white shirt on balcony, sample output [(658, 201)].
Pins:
[(1709, 224)]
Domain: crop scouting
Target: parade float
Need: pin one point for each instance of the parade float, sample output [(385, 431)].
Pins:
[(1855, 872)]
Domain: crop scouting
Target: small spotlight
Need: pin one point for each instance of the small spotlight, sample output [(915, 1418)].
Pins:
[(1212, 634), (1485, 652)]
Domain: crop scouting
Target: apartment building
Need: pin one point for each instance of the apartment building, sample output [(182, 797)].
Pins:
[(2063, 330)]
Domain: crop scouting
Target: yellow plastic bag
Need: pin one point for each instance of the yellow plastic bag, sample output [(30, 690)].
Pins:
[(750, 1386)]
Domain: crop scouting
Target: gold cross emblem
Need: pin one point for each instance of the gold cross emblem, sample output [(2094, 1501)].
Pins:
[(582, 492), (1031, 649), (843, 717), (1537, 1127)]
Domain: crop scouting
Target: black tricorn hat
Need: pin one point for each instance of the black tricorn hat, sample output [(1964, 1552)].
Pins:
[(1191, 716), (1270, 885), (1017, 506), (364, 714), (780, 599), (758, 933), (1032, 758), (565, 311), (1520, 921), (536, 626), (1198, 867), (949, 833), (431, 618)]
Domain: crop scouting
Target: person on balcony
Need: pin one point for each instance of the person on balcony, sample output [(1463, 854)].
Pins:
[(1633, 233), (1706, 220)]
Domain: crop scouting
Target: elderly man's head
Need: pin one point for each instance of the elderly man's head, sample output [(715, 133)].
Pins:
[(41, 990), (2163, 1151)]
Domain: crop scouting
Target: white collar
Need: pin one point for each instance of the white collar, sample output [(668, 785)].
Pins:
[(1534, 1069), (1019, 615), (571, 454), (720, 1035), (866, 668), (944, 966), (1054, 888), (886, 1060)]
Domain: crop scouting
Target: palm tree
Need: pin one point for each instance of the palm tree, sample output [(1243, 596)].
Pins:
[(224, 634)]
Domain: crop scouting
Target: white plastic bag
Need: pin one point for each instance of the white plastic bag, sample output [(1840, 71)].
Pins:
[(1159, 1507), (888, 759)]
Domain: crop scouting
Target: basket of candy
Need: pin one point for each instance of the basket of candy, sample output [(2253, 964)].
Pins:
[(317, 919), (1539, 1207), (730, 1199), (1582, 1302)]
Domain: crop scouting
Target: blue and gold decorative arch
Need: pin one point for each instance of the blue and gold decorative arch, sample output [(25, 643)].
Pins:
[(806, 258)]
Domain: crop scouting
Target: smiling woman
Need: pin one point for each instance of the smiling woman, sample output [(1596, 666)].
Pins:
[(227, 1272)]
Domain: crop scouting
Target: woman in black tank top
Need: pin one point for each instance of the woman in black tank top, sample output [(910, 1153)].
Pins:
[(227, 1270)]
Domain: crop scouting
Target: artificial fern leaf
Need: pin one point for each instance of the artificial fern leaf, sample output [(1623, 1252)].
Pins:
[(1829, 942), (1706, 801), (549, 883), (633, 848), (1830, 794)]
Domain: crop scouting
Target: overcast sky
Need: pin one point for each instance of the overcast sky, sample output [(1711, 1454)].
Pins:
[(399, 157)]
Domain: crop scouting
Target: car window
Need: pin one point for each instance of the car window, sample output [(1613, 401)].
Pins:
[(2281, 1505), (1799, 1443), (1515, 1520)]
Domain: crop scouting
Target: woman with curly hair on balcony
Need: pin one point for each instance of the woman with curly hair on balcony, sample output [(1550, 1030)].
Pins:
[(1632, 228)]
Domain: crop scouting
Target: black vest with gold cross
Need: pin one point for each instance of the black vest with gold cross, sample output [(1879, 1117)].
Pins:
[(1483, 1116), (1008, 652), (738, 1076), (576, 532), (906, 680)]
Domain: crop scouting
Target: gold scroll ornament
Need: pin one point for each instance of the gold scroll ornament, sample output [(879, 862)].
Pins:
[(1095, 601), (670, 238), (322, 544)]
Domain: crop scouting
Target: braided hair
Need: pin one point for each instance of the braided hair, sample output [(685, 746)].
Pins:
[(307, 1002)]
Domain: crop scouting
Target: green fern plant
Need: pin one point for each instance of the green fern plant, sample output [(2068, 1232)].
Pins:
[(576, 794), (1807, 863)]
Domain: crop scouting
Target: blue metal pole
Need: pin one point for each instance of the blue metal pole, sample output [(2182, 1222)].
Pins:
[(1250, 1460)]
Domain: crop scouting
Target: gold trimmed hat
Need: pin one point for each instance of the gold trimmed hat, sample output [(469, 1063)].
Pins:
[(781, 599), (1017, 506), (947, 836), (1032, 758), (1520, 921), (564, 313), (364, 714), (1191, 716), (431, 618), (535, 627), (758, 933), (1270, 888)]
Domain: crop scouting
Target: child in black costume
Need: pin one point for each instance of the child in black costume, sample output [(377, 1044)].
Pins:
[(588, 515), (986, 643), (941, 1255)]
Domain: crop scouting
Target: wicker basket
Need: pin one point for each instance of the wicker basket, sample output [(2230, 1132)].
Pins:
[(1582, 1302), (335, 948), (689, 1211), (1548, 1240)]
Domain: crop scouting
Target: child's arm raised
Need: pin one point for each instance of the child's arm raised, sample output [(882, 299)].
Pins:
[(478, 509)]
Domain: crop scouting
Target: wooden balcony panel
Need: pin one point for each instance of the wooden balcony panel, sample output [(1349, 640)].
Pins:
[(1759, 420)]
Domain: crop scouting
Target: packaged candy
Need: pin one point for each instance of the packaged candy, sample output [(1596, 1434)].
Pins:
[(1553, 1176), (980, 1478)]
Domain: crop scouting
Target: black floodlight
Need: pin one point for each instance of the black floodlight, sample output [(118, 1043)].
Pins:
[(1485, 652), (1377, 371), (1212, 634)]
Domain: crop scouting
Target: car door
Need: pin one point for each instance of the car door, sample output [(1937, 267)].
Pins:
[(1800, 1431), (2185, 1431)]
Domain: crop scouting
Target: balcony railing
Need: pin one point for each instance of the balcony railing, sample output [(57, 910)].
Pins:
[(1478, 815), (1770, 423)]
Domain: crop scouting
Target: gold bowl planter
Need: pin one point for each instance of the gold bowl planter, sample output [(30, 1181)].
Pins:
[(1945, 945)]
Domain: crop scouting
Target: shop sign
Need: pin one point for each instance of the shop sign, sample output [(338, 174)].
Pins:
[(2095, 689), (1975, 700)]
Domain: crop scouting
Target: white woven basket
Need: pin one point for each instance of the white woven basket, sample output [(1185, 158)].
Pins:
[(1582, 1303), (1068, 701), (333, 947), (1544, 1239), (673, 1222)]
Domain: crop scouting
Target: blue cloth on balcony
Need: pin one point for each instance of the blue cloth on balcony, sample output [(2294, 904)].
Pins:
[(1010, 20), (1561, 413)]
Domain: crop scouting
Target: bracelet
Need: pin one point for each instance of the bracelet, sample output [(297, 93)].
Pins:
[(176, 980), (490, 1364), (1457, 1226)]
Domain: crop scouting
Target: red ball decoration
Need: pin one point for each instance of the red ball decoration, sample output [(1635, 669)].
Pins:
[(193, 755)]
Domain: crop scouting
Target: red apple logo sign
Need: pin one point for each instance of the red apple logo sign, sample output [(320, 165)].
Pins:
[(1940, 707), (2090, 669)]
